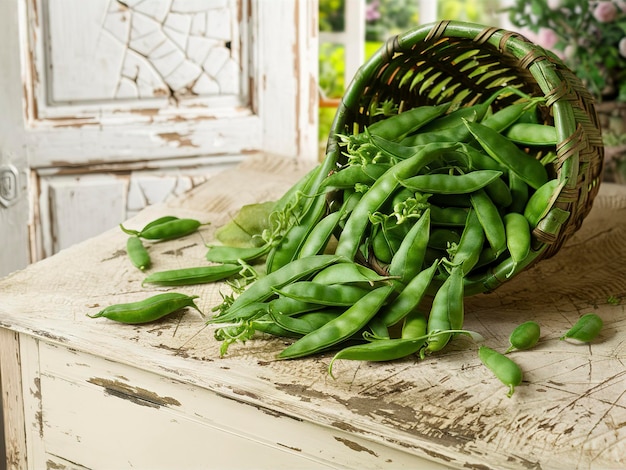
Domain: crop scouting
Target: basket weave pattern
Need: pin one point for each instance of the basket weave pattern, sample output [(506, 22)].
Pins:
[(465, 63)]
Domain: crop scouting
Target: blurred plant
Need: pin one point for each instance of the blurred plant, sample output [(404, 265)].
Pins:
[(331, 15), (589, 36), (385, 18)]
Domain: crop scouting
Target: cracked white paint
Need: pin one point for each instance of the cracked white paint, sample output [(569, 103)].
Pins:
[(143, 49)]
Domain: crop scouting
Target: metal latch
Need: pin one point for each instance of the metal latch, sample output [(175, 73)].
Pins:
[(8, 185)]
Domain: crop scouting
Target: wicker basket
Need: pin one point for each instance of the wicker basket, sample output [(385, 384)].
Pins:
[(450, 60)]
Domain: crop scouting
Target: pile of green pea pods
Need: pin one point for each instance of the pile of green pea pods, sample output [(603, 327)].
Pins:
[(368, 259)]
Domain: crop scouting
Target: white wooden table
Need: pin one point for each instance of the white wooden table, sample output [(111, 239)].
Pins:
[(91, 393)]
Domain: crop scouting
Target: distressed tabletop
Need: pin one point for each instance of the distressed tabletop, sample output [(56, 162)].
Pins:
[(570, 411)]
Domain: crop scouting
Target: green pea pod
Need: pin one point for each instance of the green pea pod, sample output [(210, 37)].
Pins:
[(500, 193), (451, 184), (194, 275), (455, 118), (305, 323), (232, 254), (475, 112), (505, 369), (318, 238), (541, 201), (471, 245), (338, 329), (348, 273), (524, 336), (446, 311), (287, 249), (510, 155), (147, 310), (407, 261), (377, 329), (171, 229), (266, 325), (415, 325), (518, 238), (448, 216), (519, 193), (381, 247), (154, 223), (159, 221), (348, 177), (379, 350), (288, 307), (529, 134), (398, 126), (505, 117), (263, 288), (138, 253), (409, 297), (479, 160), (316, 293), (394, 150), (586, 329), (454, 134), (490, 219)]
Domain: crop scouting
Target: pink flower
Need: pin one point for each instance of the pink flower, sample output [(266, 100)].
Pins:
[(555, 4), (605, 12), (547, 38), (371, 11), (622, 47)]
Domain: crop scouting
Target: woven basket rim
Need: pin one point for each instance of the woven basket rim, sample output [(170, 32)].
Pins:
[(570, 103)]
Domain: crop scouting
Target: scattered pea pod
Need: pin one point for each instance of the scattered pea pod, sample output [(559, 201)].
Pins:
[(524, 336), (148, 310), (166, 228), (586, 329), (504, 368), (138, 253), (193, 275)]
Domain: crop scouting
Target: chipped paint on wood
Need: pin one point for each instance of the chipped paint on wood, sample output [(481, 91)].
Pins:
[(150, 64), (177, 139), (137, 395)]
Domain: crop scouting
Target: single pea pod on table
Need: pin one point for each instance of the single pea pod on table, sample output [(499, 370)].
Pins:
[(165, 228), (148, 310)]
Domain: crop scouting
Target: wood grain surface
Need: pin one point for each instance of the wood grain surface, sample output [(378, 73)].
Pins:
[(569, 412)]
